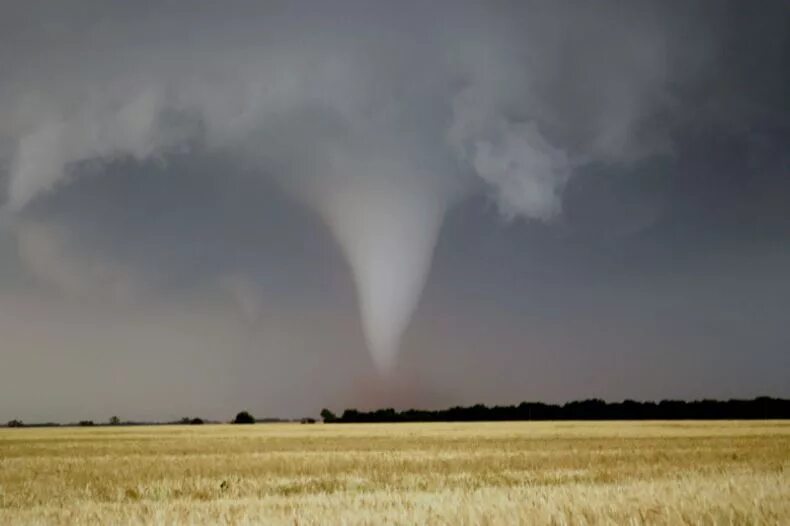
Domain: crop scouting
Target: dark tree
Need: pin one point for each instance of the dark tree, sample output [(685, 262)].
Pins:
[(86, 422), (328, 415), (196, 422), (307, 420), (16, 423), (115, 421), (244, 418)]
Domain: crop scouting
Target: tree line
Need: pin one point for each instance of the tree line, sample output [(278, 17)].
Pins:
[(594, 409), (243, 417), (112, 421)]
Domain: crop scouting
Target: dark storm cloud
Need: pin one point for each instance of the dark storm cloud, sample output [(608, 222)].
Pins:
[(599, 165), (523, 95)]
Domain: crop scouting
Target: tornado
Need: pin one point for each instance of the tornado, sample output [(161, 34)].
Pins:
[(387, 224)]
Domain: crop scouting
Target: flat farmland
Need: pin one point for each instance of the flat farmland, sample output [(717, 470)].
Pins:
[(443, 473)]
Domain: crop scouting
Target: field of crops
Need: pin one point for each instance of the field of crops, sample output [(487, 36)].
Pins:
[(471, 473)]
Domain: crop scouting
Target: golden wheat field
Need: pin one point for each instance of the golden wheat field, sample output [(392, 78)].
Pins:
[(470, 473)]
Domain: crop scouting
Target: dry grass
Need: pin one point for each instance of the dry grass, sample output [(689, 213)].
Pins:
[(479, 473)]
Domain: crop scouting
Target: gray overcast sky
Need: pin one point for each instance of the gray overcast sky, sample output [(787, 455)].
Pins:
[(526, 200)]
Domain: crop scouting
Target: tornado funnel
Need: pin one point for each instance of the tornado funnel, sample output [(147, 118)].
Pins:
[(387, 226)]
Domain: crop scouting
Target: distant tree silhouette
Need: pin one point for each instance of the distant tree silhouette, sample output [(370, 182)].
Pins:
[(188, 421), (115, 421), (86, 423), (307, 420), (16, 423), (595, 409), (244, 418), (328, 415)]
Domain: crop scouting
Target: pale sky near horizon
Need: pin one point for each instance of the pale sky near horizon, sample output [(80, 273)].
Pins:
[(183, 186)]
